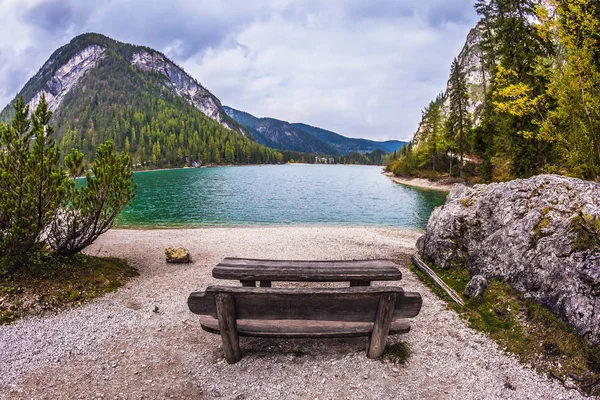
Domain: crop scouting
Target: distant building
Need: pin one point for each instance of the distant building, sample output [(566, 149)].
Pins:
[(324, 160)]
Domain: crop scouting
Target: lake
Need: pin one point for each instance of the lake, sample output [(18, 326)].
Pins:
[(277, 194)]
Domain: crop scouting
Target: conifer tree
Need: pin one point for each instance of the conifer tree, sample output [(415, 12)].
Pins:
[(459, 120), (31, 184)]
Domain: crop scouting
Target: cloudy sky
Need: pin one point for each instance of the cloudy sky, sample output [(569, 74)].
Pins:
[(362, 68)]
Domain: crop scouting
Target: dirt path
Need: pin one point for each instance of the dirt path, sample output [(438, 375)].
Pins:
[(119, 348)]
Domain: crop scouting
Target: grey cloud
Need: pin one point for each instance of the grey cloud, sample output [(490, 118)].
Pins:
[(253, 54), (456, 11), (54, 16), (12, 76), (433, 12)]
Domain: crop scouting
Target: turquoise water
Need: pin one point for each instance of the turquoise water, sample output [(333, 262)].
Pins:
[(277, 194)]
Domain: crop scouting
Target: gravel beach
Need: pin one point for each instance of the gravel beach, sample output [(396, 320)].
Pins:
[(118, 347), (420, 183)]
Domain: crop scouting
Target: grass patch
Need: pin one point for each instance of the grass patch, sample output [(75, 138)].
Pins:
[(587, 229), (60, 283), (524, 328), (397, 353)]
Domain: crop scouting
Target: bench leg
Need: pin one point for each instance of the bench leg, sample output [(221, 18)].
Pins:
[(381, 327), (265, 283), (228, 328), (249, 283)]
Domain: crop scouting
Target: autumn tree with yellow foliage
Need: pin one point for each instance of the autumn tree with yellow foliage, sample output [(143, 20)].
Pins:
[(541, 112)]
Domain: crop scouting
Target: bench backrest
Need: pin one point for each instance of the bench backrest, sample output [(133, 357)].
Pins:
[(357, 304)]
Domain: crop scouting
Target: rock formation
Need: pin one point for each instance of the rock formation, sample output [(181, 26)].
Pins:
[(541, 235)]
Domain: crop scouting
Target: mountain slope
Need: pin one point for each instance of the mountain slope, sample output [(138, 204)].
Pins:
[(305, 138), (346, 145), (280, 135), (102, 89)]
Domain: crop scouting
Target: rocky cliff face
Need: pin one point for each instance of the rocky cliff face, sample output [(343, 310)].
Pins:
[(67, 76), (541, 235), (477, 76), (185, 86)]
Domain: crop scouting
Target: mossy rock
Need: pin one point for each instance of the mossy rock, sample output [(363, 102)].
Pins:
[(177, 255)]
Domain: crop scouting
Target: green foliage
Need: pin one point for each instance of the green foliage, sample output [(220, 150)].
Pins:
[(587, 230), (397, 353), (90, 210), (55, 283), (541, 97), (39, 205), (74, 163), (522, 327), (458, 127), (574, 121), (31, 184), (376, 157)]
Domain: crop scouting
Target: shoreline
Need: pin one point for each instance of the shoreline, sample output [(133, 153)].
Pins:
[(414, 230), (420, 183)]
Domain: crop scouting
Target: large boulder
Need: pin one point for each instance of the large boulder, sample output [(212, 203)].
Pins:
[(541, 235)]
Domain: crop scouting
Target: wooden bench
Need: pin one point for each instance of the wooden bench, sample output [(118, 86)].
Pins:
[(304, 313), (357, 272)]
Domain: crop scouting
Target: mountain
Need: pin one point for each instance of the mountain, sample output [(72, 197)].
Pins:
[(346, 145), (280, 135), (305, 138), (102, 89)]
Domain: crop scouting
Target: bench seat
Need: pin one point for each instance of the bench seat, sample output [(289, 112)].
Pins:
[(293, 328)]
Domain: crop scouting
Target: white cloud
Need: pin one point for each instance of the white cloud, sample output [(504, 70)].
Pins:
[(362, 78), (363, 68)]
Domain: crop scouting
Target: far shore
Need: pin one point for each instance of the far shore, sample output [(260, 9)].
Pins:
[(420, 183), (242, 165)]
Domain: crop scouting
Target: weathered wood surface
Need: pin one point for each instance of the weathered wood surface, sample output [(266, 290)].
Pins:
[(381, 326), (303, 328), (352, 304), (227, 323), (429, 272), (313, 271)]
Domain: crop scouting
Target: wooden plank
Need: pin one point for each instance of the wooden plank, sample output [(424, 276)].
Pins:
[(352, 304), (228, 327), (429, 272), (303, 328), (381, 327), (316, 271), (375, 263)]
